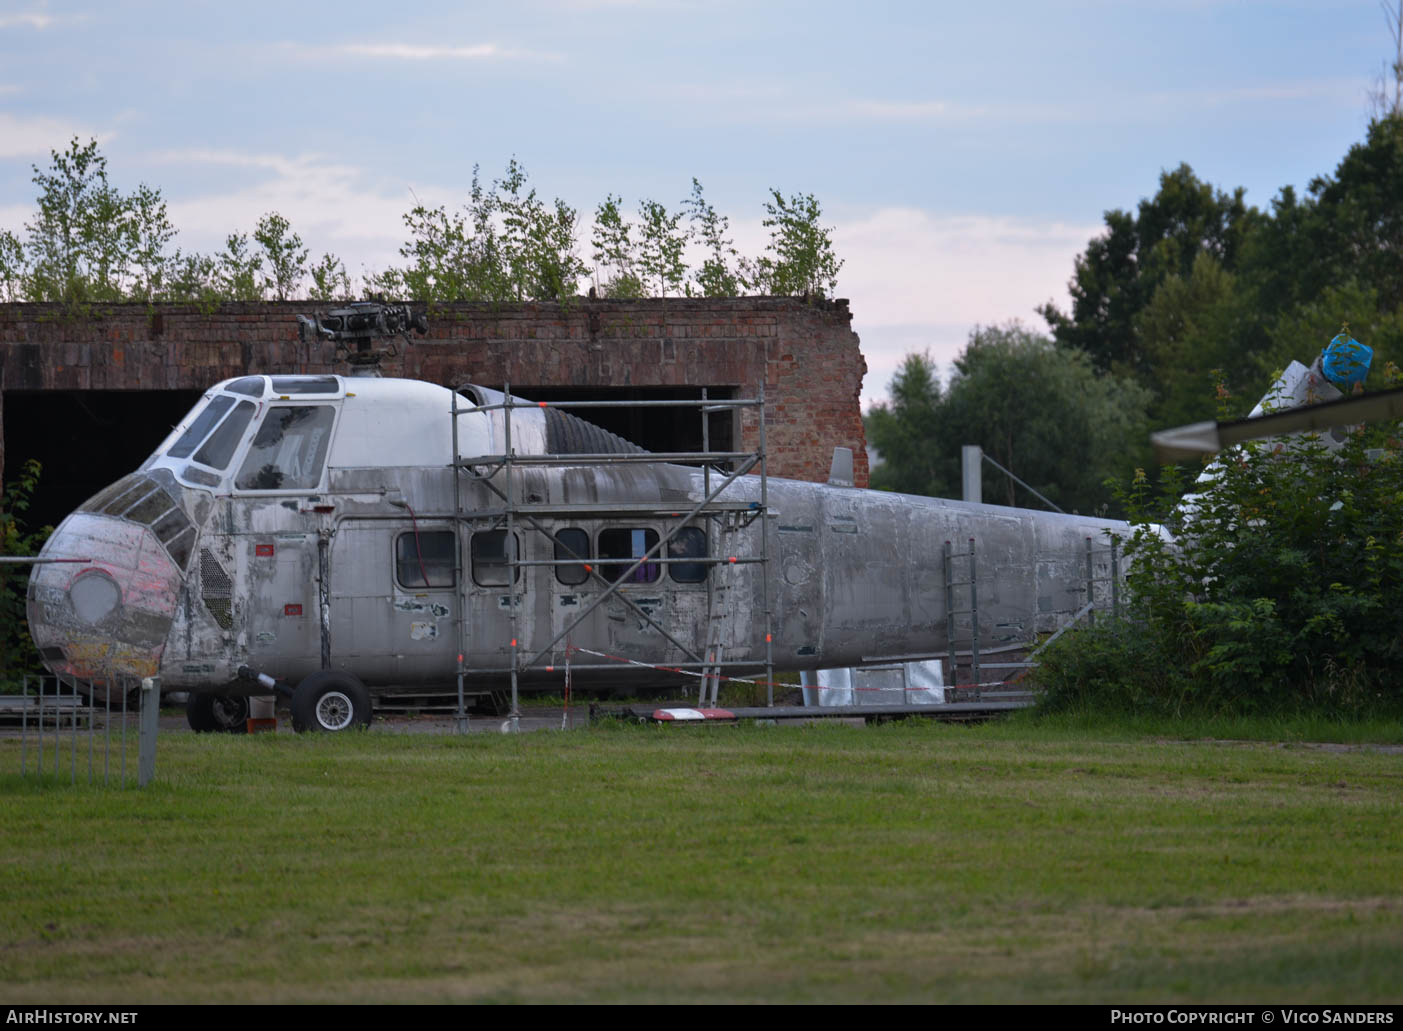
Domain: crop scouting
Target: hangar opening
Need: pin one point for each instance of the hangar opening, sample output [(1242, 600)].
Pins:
[(654, 429), (84, 439)]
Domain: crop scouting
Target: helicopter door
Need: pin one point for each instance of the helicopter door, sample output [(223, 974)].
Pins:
[(392, 600), (490, 570)]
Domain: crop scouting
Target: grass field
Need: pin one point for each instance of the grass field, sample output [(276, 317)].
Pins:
[(1006, 863)]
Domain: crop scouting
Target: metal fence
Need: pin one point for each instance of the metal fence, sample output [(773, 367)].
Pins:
[(104, 733)]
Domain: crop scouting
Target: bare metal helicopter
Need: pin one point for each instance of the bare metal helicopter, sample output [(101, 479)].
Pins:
[(334, 538)]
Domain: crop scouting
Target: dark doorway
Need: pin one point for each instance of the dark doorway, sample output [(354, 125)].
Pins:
[(84, 439), (656, 429)]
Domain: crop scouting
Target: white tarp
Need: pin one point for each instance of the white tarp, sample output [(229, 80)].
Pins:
[(907, 683)]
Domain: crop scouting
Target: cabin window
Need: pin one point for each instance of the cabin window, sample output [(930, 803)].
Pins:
[(223, 442), (490, 560), (306, 385), (290, 449), (204, 422), (627, 545), (250, 385), (688, 542), (572, 543), (426, 558)]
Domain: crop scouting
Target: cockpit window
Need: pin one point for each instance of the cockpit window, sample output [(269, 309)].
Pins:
[(306, 385), (204, 422), (250, 385), (290, 449), (219, 449)]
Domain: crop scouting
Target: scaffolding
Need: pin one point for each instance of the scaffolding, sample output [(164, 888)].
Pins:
[(1107, 599), (724, 520)]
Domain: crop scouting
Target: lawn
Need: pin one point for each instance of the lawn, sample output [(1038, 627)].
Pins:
[(1021, 862)]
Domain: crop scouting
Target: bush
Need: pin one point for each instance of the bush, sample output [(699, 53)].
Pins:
[(17, 654), (1278, 587)]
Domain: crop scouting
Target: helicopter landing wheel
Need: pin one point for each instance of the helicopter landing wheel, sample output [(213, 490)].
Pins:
[(217, 713), (330, 701)]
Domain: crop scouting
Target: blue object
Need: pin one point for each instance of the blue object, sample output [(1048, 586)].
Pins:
[(1345, 361)]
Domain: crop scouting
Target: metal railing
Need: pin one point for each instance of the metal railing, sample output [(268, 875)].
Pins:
[(73, 729)]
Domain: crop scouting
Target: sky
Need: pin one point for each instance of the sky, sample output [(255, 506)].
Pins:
[(963, 154)]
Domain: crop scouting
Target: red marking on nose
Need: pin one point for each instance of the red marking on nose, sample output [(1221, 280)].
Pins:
[(263, 550), (292, 610)]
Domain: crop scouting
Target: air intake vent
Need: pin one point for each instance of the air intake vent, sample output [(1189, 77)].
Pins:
[(567, 434), (216, 589)]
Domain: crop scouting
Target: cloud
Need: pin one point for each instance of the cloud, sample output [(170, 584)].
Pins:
[(762, 102), (898, 111), (329, 204), (38, 20), (920, 280), (1335, 89), (28, 19), (37, 136), (13, 217), (416, 52)]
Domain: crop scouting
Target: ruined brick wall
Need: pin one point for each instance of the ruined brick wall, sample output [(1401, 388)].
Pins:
[(805, 355)]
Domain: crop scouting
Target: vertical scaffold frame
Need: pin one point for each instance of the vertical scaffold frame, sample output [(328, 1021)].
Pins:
[(719, 470)]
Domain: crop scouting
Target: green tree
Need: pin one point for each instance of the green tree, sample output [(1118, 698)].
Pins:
[(13, 267), (660, 246), (1039, 410), (1045, 414), (799, 258), (615, 252), (82, 231), (723, 271), (1356, 226), (194, 278), (442, 265), (506, 245), (1386, 99), (284, 257), (538, 241), (1188, 333), (239, 271), (329, 280), (152, 233), (1280, 589), (909, 434), (1118, 274)]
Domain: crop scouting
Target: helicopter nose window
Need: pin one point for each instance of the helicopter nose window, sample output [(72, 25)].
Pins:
[(290, 449), (204, 422), (222, 442)]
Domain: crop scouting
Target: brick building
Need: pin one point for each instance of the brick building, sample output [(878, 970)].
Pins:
[(91, 396)]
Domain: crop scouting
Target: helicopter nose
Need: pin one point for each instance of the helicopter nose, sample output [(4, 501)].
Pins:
[(101, 607)]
